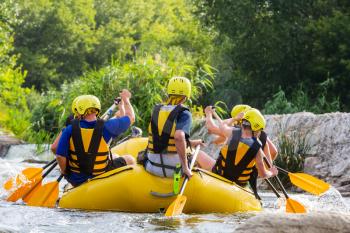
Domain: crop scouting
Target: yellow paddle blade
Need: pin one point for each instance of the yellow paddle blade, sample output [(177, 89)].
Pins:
[(46, 196), (24, 190), (176, 206), (292, 206), (25, 197), (8, 184), (308, 183), (26, 175)]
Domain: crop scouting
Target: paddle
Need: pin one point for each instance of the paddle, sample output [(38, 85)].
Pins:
[(25, 189), (46, 195), (292, 206), (26, 175), (307, 182), (178, 204)]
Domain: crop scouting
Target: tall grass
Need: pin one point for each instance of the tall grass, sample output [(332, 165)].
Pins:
[(293, 147)]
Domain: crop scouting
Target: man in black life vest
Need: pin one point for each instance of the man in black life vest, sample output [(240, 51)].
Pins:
[(241, 152), (169, 131)]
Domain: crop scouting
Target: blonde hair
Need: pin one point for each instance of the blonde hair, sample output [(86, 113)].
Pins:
[(90, 111), (174, 99)]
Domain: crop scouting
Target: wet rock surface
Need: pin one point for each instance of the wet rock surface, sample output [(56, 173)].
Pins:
[(297, 223), (328, 138), (6, 140)]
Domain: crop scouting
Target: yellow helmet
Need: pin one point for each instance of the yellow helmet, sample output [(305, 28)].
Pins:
[(87, 101), (237, 109), (74, 105), (179, 86), (255, 118)]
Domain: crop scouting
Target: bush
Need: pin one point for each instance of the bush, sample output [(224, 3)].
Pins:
[(146, 78), (302, 101), (292, 149)]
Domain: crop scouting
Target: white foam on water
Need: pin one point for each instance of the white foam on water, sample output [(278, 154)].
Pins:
[(21, 152), (330, 201)]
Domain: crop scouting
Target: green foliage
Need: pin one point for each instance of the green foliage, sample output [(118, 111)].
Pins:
[(59, 40), (14, 113), (301, 101), (54, 39), (292, 150), (277, 45), (146, 78)]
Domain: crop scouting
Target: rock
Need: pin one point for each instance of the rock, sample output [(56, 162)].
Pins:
[(345, 182), (326, 135), (6, 140), (297, 223), (311, 163), (344, 189)]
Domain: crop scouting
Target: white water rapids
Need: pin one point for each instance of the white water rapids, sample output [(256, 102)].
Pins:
[(17, 217)]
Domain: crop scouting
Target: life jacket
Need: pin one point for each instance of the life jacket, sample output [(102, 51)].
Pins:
[(162, 128), (237, 160), (161, 133), (88, 149)]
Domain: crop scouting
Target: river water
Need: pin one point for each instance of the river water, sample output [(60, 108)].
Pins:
[(17, 217)]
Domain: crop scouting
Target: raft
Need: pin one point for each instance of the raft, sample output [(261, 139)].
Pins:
[(132, 189)]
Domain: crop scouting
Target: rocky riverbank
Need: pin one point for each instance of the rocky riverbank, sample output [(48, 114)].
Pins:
[(6, 140), (328, 139)]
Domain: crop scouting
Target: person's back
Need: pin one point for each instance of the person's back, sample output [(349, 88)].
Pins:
[(169, 131), (237, 157), (83, 151), (242, 151)]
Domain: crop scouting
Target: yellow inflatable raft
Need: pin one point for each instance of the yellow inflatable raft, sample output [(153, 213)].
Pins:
[(132, 189)]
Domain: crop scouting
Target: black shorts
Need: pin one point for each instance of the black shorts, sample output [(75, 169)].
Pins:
[(116, 163)]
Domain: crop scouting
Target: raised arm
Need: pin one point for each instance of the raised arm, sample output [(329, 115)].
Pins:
[(129, 110)]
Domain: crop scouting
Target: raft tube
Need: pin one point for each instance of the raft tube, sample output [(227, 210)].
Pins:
[(132, 189)]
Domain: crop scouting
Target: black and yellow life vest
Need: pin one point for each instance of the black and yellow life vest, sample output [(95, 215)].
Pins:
[(237, 159), (161, 129), (88, 149)]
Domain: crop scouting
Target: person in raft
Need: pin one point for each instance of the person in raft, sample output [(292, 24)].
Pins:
[(69, 119), (83, 149), (169, 132), (241, 152), (237, 114)]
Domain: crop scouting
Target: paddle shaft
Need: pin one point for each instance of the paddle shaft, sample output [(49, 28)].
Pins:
[(282, 170), (277, 180), (191, 166), (47, 165), (273, 188), (109, 112)]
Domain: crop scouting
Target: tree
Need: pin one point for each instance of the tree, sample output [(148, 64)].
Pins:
[(281, 43), (14, 113)]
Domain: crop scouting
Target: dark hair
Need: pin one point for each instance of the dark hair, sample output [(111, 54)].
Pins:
[(246, 124), (69, 119)]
